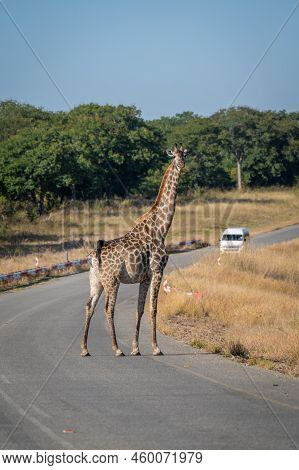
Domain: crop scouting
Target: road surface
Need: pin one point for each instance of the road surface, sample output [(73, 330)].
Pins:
[(186, 399)]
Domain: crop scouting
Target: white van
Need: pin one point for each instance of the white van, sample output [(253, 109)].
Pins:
[(234, 239)]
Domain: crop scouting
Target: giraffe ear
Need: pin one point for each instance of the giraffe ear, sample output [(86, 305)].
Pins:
[(169, 153)]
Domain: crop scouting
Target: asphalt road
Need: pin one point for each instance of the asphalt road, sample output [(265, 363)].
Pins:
[(186, 399)]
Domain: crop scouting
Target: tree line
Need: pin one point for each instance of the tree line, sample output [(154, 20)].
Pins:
[(96, 151)]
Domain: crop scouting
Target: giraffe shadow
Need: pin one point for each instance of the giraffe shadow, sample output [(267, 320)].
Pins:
[(128, 355)]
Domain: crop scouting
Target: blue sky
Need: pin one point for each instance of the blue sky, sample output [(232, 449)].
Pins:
[(164, 56)]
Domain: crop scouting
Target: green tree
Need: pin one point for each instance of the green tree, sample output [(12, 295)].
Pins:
[(116, 145), (238, 129), (36, 164), (93, 151), (273, 156), (15, 116)]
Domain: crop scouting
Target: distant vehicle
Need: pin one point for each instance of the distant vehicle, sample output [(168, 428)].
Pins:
[(234, 239)]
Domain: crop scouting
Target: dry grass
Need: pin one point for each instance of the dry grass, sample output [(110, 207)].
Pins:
[(78, 226), (250, 305)]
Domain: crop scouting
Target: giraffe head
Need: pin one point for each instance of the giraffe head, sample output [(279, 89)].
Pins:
[(178, 154)]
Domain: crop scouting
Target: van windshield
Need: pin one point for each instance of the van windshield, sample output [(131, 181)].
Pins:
[(232, 237)]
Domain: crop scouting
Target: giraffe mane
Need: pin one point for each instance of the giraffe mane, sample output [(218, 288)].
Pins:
[(159, 196)]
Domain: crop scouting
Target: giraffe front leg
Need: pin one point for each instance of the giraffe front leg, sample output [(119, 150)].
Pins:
[(154, 292), (111, 295), (143, 288)]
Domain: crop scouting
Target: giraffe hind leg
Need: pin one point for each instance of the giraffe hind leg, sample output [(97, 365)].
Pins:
[(111, 294), (89, 311)]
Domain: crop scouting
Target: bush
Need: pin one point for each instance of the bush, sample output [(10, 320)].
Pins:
[(237, 349)]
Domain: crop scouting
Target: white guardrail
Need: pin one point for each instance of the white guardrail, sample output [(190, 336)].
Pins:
[(15, 276)]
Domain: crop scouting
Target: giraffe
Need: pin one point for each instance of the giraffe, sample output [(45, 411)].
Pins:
[(137, 257)]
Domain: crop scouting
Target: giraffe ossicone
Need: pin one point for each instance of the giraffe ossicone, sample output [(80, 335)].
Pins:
[(138, 257)]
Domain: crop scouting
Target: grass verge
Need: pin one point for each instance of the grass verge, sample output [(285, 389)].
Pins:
[(249, 309)]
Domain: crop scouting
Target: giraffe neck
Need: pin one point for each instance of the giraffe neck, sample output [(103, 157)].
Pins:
[(166, 205), (161, 214)]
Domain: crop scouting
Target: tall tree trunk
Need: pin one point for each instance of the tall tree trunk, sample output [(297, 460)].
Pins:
[(239, 174), (41, 202), (73, 187), (33, 198)]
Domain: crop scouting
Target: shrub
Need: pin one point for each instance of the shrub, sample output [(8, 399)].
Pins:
[(237, 349)]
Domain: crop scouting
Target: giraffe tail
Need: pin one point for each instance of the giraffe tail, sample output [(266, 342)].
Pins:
[(100, 245)]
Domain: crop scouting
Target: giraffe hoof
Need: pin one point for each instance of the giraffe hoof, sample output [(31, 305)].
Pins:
[(119, 353), (157, 352), (135, 352), (84, 353)]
